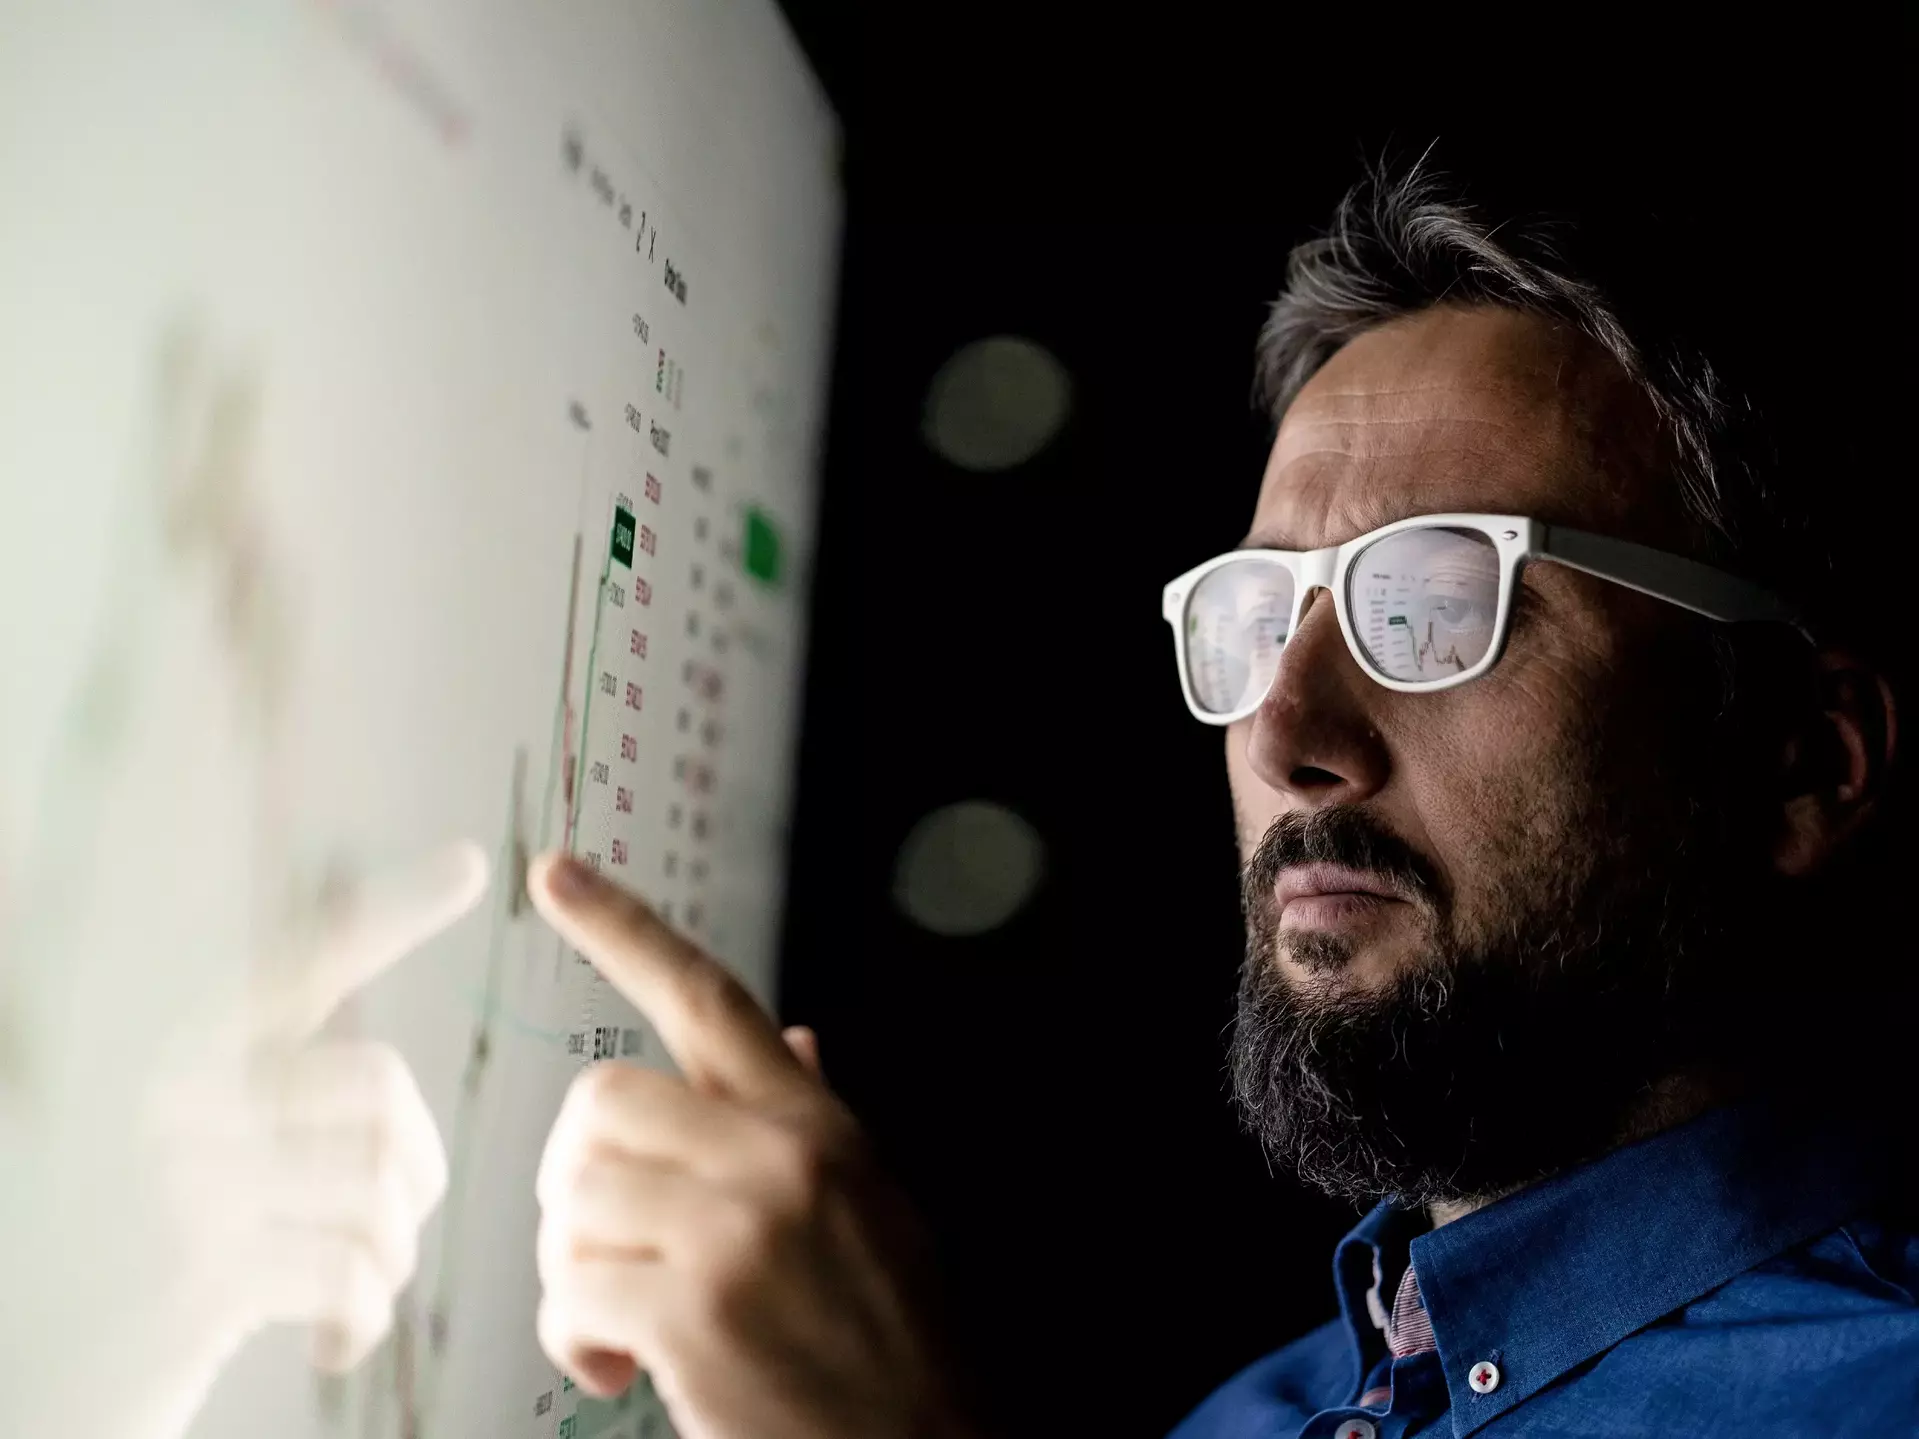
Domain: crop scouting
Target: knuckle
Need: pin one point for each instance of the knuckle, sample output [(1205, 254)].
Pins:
[(719, 1306), (577, 1165), (595, 1085), (385, 1099), (396, 1255), (595, 1173), (559, 1173), (802, 1166), (553, 1250), (597, 1092), (389, 1075), (606, 1085), (379, 1080), (750, 1237), (811, 1158)]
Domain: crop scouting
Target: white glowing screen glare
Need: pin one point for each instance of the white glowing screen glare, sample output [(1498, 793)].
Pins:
[(409, 424)]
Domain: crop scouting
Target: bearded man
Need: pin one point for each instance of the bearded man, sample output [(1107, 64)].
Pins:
[(1560, 751)]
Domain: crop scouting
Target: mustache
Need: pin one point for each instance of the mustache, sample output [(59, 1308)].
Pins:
[(1343, 835)]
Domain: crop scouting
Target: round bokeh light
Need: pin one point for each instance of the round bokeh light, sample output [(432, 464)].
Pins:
[(996, 403), (967, 868)]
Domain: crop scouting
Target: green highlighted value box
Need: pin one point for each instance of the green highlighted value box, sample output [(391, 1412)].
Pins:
[(623, 536), (760, 548)]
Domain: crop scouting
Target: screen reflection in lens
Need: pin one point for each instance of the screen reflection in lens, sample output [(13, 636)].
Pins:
[(1236, 624), (1424, 602)]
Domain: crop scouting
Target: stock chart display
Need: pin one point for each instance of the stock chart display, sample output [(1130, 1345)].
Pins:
[(410, 421)]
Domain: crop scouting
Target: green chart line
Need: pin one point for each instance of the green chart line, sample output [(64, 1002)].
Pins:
[(554, 762), (586, 710)]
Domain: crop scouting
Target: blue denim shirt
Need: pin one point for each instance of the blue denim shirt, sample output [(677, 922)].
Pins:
[(1723, 1277)]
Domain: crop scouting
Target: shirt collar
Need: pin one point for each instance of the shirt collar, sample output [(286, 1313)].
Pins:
[(1376, 1244), (1563, 1270)]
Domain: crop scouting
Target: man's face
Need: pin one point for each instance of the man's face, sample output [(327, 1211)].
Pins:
[(1545, 837)]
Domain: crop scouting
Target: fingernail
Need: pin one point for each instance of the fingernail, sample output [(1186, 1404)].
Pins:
[(569, 879)]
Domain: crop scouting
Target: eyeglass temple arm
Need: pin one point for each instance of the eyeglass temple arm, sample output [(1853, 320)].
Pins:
[(1669, 577)]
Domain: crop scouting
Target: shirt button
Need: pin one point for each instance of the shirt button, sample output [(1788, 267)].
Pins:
[(1484, 1377), (1355, 1429)]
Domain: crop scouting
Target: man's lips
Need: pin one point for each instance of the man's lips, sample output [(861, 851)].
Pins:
[(1330, 882)]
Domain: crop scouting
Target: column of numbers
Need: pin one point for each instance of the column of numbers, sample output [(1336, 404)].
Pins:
[(697, 727)]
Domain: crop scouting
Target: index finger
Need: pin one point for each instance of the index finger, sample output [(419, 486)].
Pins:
[(363, 934), (714, 1029)]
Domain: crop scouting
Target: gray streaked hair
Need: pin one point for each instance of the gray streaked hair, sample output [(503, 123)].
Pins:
[(1405, 240)]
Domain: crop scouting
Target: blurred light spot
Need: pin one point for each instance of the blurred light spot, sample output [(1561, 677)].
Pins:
[(996, 403), (967, 868)]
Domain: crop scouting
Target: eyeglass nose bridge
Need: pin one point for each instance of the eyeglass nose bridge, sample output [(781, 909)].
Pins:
[(1312, 570)]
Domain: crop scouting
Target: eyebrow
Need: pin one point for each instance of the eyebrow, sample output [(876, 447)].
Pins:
[(1269, 539)]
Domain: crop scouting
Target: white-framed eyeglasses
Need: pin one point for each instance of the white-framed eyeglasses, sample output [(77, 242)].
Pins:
[(1424, 603)]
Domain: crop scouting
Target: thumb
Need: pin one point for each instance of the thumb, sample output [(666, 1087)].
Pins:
[(805, 1045)]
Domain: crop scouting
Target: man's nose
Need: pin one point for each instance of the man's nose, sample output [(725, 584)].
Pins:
[(1312, 738)]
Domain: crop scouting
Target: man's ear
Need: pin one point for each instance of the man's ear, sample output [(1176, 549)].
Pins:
[(1837, 761)]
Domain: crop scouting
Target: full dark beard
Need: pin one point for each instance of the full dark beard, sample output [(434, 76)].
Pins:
[(1507, 1052)]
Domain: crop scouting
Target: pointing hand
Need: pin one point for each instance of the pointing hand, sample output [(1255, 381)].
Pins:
[(728, 1231)]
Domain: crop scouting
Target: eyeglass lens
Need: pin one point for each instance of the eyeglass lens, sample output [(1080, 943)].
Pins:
[(1236, 623), (1423, 602)]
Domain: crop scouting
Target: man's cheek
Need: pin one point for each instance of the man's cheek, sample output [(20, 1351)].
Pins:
[(1471, 803), (1513, 732)]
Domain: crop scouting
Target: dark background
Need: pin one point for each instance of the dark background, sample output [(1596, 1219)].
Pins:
[(1124, 191)]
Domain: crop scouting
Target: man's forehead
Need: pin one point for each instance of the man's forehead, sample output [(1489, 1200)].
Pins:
[(1455, 409)]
